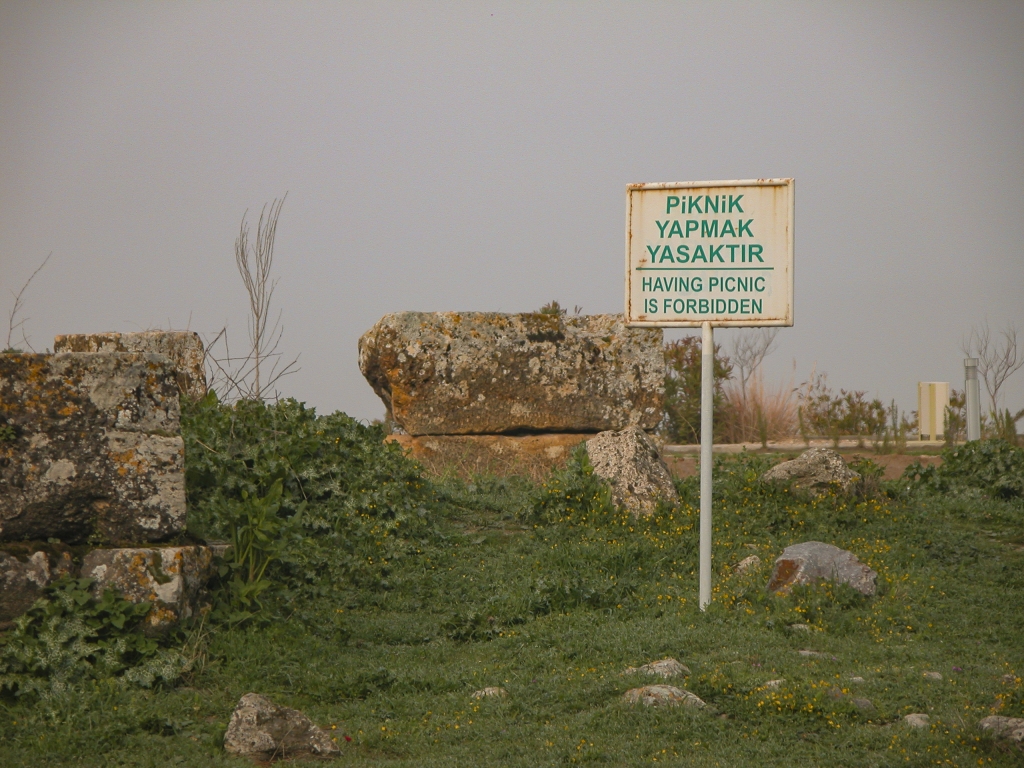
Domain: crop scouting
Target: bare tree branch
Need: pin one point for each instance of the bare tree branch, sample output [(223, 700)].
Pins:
[(13, 326), (997, 360), (749, 349)]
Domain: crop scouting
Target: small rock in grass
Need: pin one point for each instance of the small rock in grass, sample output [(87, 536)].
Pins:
[(800, 627), (933, 675), (856, 679), (864, 705), (261, 729), (813, 472), (917, 720), (662, 695), (1009, 679), (747, 564), (492, 690), (1011, 728), (774, 685), (665, 668)]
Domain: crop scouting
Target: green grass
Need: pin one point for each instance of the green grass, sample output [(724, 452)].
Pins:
[(553, 600)]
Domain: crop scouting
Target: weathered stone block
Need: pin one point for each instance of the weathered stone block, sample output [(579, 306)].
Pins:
[(813, 561), (184, 348), (530, 455), (451, 373), (630, 462), (171, 578), (661, 696), (90, 444), (25, 572)]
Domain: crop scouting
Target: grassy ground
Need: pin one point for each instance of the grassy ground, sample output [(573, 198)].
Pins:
[(553, 608)]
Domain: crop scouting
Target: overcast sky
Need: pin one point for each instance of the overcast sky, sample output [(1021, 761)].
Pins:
[(474, 156)]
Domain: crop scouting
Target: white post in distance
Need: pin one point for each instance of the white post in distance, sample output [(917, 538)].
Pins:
[(973, 398), (707, 409)]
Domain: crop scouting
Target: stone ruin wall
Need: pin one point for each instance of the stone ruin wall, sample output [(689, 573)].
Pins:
[(92, 471), (486, 391)]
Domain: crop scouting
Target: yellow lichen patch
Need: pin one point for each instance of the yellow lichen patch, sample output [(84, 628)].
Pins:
[(129, 459), (159, 616)]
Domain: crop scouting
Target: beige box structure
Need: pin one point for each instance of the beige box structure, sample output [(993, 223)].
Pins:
[(932, 400)]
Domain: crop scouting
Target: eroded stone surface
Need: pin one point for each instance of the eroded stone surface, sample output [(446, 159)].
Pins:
[(662, 695), (630, 462), (25, 574), (91, 445), (184, 348), (1010, 728), (451, 373), (812, 561), (171, 578), (261, 729), (814, 471)]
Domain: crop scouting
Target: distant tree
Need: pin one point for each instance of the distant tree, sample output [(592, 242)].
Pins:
[(683, 358), (998, 360)]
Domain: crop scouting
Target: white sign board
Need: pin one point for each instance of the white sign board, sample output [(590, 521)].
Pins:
[(710, 251)]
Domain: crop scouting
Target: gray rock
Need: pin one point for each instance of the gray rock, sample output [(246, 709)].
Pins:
[(91, 446), (864, 705), (261, 729), (25, 574), (662, 695), (774, 685), (630, 462), (933, 675), (173, 579), (183, 348), (747, 564), (492, 691), (856, 679), (812, 561), (1010, 728), (815, 471), (917, 720), (463, 373), (800, 627), (664, 668)]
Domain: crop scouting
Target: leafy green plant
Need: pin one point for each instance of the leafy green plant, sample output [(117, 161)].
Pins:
[(572, 493), (993, 467), (68, 637)]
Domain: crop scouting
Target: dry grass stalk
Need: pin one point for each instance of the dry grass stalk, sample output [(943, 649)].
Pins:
[(768, 412)]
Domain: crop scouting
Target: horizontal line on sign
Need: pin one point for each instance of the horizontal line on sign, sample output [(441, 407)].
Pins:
[(704, 269)]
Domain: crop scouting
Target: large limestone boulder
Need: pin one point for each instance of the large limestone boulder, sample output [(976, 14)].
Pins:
[(184, 348), (1009, 728), (25, 571), (630, 462), (262, 730), (90, 444), (530, 455), (813, 561), (814, 471), (451, 373), (172, 579)]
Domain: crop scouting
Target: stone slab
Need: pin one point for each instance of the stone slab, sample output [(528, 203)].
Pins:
[(25, 572), (813, 561), (529, 455), (173, 579), (452, 373), (90, 446), (184, 348)]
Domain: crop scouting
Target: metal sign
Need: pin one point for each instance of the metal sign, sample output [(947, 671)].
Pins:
[(718, 252)]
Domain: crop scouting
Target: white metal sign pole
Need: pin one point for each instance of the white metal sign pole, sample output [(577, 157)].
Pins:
[(707, 408), (709, 253)]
